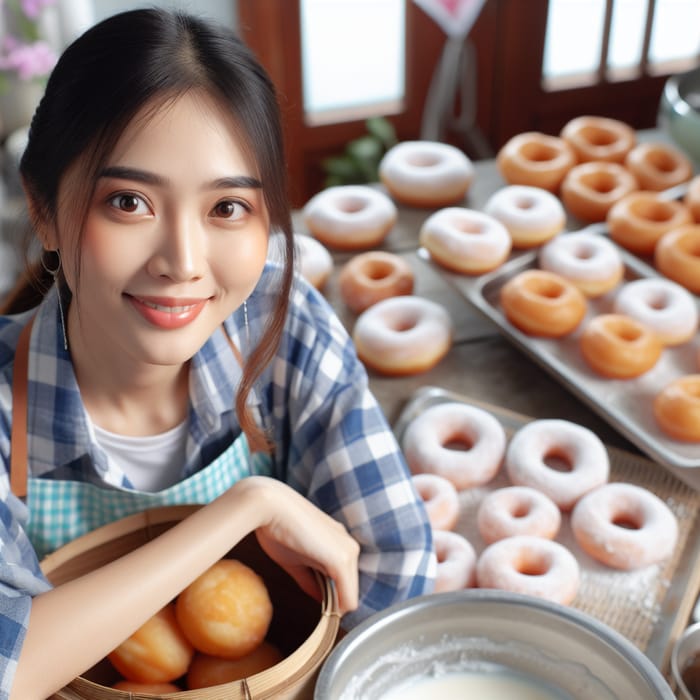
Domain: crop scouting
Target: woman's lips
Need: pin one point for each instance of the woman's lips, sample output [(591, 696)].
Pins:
[(167, 312)]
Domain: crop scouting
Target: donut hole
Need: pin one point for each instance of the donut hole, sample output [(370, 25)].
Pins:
[(351, 205), (602, 182), (520, 509), (661, 161), (525, 203), (558, 460), (628, 520), (538, 152), (378, 270), (652, 210), (597, 136), (658, 301), (468, 227), (458, 442), (403, 325), (533, 564), (627, 333), (423, 160), (546, 287), (584, 251)]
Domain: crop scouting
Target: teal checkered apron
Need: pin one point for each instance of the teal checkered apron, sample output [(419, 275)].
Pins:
[(62, 510)]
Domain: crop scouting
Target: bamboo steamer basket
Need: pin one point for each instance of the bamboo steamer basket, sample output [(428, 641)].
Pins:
[(302, 628)]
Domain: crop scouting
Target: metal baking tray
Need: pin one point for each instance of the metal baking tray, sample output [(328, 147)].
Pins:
[(626, 404)]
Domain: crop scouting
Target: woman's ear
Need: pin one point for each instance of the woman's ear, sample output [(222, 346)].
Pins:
[(42, 224)]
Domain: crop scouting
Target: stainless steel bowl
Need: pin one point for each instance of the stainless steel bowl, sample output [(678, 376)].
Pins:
[(679, 111), (478, 629)]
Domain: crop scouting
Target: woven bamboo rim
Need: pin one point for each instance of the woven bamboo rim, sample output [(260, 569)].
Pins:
[(291, 679)]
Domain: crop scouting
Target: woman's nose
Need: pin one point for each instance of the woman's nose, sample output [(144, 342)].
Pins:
[(180, 255)]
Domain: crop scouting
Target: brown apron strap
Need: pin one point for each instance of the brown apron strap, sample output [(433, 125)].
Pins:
[(18, 436)]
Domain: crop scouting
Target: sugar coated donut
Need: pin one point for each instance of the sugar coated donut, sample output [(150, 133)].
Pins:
[(465, 240), (677, 256), (350, 217), (624, 526), (530, 565), (456, 561), (639, 219), (440, 498), (557, 442), (315, 262), (692, 198), (664, 306), (517, 510), (426, 173), (372, 276), (658, 166), (677, 408), (403, 335), (158, 652), (533, 158), (462, 443), (531, 215), (541, 303), (619, 347), (590, 189), (589, 261), (596, 138), (226, 611)]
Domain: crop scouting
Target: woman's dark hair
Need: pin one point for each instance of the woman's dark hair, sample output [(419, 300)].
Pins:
[(107, 76)]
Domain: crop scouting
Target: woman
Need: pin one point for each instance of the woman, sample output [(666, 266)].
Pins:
[(172, 358)]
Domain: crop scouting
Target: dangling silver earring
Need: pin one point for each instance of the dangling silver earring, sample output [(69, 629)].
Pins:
[(245, 323), (54, 272)]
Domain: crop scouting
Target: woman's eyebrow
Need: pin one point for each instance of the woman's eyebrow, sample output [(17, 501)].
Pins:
[(120, 172)]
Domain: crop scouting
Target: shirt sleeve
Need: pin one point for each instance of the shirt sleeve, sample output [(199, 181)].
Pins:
[(341, 452)]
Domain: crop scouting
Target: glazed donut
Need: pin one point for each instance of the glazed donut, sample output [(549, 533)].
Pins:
[(426, 173), (639, 219), (440, 499), (692, 198), (599, 138), (658, 166), (428, 437), (664, 306), (530, 565), (372, 276), (517, 510), (580, 449), (350, 217), (535, 159), (465, 240), (677, 408), (589, 261), (624, 526), (403, 335), (590, 189), (456, 562), (541, 303), (531, 215), (315, 262), (677, 256), (619, 347)]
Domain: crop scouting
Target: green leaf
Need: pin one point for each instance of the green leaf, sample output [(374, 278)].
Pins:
[(383, 130), (341, 166)]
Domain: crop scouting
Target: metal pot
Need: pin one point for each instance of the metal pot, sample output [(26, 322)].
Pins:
[(679, 111), (558, 647)]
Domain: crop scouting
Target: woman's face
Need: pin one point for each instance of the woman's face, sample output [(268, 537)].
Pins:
[(175, 239)]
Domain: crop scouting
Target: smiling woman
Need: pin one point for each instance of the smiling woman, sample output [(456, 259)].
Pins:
[(166, 359)]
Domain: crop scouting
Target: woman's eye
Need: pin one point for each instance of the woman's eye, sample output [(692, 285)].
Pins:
[(229, 209), (129, 203)]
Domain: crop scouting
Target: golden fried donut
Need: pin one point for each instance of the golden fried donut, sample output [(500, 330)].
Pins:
[(465, 241), (619, 347), (677, 408), (664, 306), (530, 565), (535, 159), (531, 215), (426, 173), (596, 138), (639, 219), (541, 303), (372, 276), (517, 510), (206, 671), (350, 217), (158, 652), (429, 436), (677, 256), (403, 335), (692, 198), (314, 261), (578, 449), (456, 561), (226, 611), (440, 499), (590, 189), (624, 526), (658, 166), (588, 260)]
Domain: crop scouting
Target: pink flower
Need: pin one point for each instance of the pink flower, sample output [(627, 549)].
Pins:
[(33, 8), (27, 60)]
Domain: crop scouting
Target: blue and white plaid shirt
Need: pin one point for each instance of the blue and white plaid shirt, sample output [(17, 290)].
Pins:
[(332, 443)]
